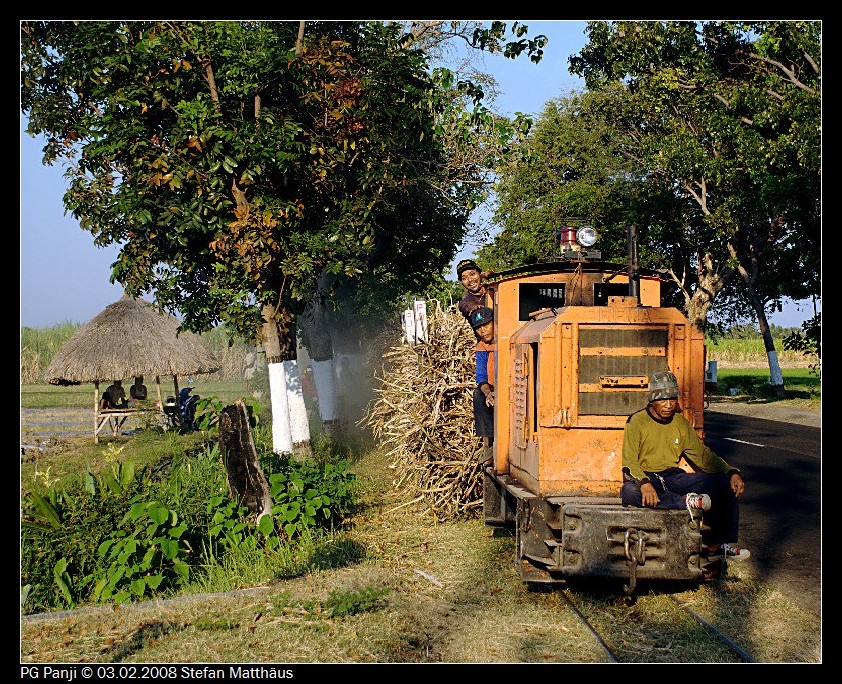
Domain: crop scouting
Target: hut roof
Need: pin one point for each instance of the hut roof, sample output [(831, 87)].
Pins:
[(129, 338)]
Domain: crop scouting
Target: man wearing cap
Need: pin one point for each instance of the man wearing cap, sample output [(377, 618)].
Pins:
[(655, 439), (475, 292), (482, 322)]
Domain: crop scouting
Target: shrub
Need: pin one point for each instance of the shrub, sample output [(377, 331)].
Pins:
[(123, 535), (310, 493)]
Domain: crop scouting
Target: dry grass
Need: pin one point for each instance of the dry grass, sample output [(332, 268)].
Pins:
[(446, 593)]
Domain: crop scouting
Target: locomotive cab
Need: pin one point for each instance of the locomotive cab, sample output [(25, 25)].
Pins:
[(569, 374)]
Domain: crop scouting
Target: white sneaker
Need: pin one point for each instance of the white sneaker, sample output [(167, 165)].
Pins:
[(697, 502), (729, 552)]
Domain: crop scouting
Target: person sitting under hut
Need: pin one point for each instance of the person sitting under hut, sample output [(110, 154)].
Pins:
[(138, 391), (114, 397)]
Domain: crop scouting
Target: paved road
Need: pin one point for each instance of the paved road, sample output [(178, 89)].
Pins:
[(781, 510)]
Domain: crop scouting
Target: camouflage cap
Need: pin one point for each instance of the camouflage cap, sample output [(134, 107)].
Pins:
[(663, 385)]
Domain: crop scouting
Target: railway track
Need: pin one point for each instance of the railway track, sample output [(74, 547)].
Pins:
[(646, 629)]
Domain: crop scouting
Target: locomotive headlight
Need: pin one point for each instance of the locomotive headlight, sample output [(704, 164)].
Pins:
[(586, 236)]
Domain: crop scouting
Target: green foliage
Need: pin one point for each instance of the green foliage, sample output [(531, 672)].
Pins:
[(209, 408), (231, 532), (753, 384), (343, 604), (61, 530), (808, 341), (698, 135), (39, 346), (127, 533), (221, 205), (147, 556), (448, 292), (309, 493)]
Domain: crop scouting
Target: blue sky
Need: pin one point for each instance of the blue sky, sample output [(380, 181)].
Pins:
[(64, 276)]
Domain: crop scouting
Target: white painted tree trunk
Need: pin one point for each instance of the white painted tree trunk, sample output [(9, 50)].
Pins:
[(776, 376), (281, 428), (298, 423), (325, 382)]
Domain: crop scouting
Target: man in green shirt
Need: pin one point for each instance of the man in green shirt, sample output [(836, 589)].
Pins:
[(655, 440)]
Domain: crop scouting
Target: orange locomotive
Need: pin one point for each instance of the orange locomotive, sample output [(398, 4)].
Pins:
[(577, 340)]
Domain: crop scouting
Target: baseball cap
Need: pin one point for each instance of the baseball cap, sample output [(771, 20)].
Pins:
[(466, 265), (480, 316)]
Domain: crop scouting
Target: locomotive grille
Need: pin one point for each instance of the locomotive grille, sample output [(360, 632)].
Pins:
[(633, 353), (519, 399)]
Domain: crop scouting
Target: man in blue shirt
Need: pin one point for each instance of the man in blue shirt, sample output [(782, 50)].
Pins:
[(482, 322)]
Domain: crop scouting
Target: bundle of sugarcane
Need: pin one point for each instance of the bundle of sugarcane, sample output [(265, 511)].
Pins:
[(423, 416)]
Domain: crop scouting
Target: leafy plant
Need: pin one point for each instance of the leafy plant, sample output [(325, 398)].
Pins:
[(209, 408), (808, 341), (126, 532), (148, 556), (308, 493), (226, 521), (345, 603)]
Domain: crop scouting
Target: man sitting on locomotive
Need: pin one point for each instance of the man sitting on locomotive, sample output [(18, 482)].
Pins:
[(654, 441), (482, 322), (476, 294)]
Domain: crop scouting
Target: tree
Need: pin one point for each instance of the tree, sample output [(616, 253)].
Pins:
[(478, 143), (572, 171), (729, 113), (238, 163), (808, 341)]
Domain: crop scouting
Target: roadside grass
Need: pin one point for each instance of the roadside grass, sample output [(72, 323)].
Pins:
[(751, 385), (737, 352), (65, 461), (420, 592)]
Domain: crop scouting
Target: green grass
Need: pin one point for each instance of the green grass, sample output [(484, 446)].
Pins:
[(752, 384), (751, 351)]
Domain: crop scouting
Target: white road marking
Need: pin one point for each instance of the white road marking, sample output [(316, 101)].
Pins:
[(742, 441)]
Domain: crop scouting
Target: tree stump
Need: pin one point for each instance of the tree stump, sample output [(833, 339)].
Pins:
[(246, 480)]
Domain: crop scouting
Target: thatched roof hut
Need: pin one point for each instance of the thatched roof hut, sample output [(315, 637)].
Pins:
[(130, 338)]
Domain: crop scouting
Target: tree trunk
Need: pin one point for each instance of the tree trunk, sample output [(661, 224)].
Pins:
[(298, 422), (271, 338), (289, 384), (320, 350), (776, 377), (353, 388), (710, 284), (246, 481)]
